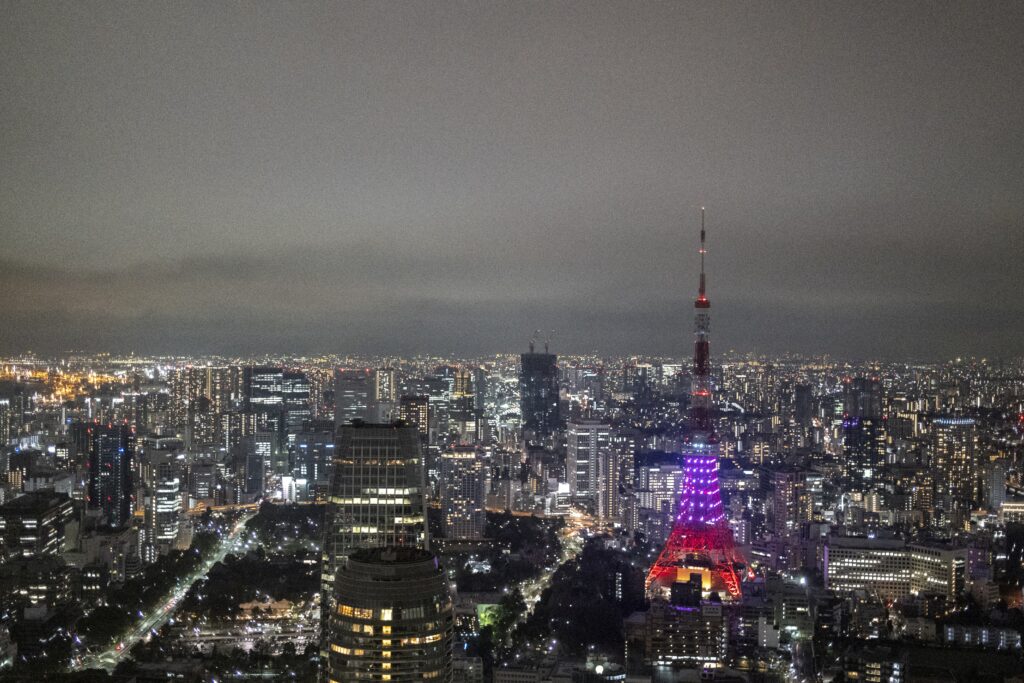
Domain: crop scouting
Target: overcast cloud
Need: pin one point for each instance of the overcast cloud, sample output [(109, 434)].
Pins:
[(447, 177)]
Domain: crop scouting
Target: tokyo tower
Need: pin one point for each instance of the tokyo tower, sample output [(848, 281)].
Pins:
[(701, 541)]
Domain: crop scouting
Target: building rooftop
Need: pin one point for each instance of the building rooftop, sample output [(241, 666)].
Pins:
[(36, 500)]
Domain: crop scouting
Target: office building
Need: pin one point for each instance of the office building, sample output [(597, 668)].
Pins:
[(295, 400), (659, 487), (1011, 512), (385, 393), (893, 569), (376, 495), (392, 620), (111, 463), (415, 410), (32, 525), (353, 395), (538, 396), (312, 456), (164, 478)]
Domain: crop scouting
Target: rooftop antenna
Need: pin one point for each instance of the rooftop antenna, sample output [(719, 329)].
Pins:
[(702, 252), (533, 339), (548, 340)]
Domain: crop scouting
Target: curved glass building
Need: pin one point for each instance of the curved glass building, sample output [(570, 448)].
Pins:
[(392, 619)]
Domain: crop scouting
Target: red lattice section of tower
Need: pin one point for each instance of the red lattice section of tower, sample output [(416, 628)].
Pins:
[(701, 541)]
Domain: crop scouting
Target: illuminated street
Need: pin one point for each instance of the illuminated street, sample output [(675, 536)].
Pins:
[(571, 539), (108, 659)]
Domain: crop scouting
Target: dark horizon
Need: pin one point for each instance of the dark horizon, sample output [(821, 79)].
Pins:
[(377, 178)]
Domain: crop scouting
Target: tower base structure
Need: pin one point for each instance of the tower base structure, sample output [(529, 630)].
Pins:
[(708, 552), (701, 542)]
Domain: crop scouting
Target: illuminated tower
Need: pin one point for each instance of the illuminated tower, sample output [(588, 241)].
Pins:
[(701, 541)]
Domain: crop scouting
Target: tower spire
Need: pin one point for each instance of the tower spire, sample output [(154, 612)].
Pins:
[(702, 252), (700, 394)]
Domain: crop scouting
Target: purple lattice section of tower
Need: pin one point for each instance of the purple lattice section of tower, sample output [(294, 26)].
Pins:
[(700, 501)]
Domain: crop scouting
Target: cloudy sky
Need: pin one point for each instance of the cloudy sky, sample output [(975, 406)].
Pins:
[(401, 177)]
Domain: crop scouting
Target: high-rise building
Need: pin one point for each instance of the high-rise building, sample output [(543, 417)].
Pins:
[(262, 387), (353, 395), (415, 410), (295, 400), (995, 483), (312, 456), (954, 460), (538, 395), (803, 405), (111, 462), (376, 495), (199, 398), (481, 386), (5, 421), (32, 525), (384, 394), (586, 441), (263, 396), (659, 487), (463, 486), (790, 503), (254, 454), (863, 451), (163, 505), (463, 382), (862, 398), (607, 498), (392, 619)]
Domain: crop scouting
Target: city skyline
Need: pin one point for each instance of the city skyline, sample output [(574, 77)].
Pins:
[(360, 178)]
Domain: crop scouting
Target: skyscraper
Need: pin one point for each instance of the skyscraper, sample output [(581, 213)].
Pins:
[(384, 394), (995, 483), (607, 499), (312, 455), (295, 400), (353, 395), (393, 619), (803, 405), (790, 504), (263, 393), (463, 490), (954, 460), (111, 461), (262, 387), (376, 496), (164, 474), (586, 442), (538, 395), (5, 421), (415, 410)]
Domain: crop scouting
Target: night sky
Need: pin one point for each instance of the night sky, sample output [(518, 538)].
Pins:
[(415, 177)]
